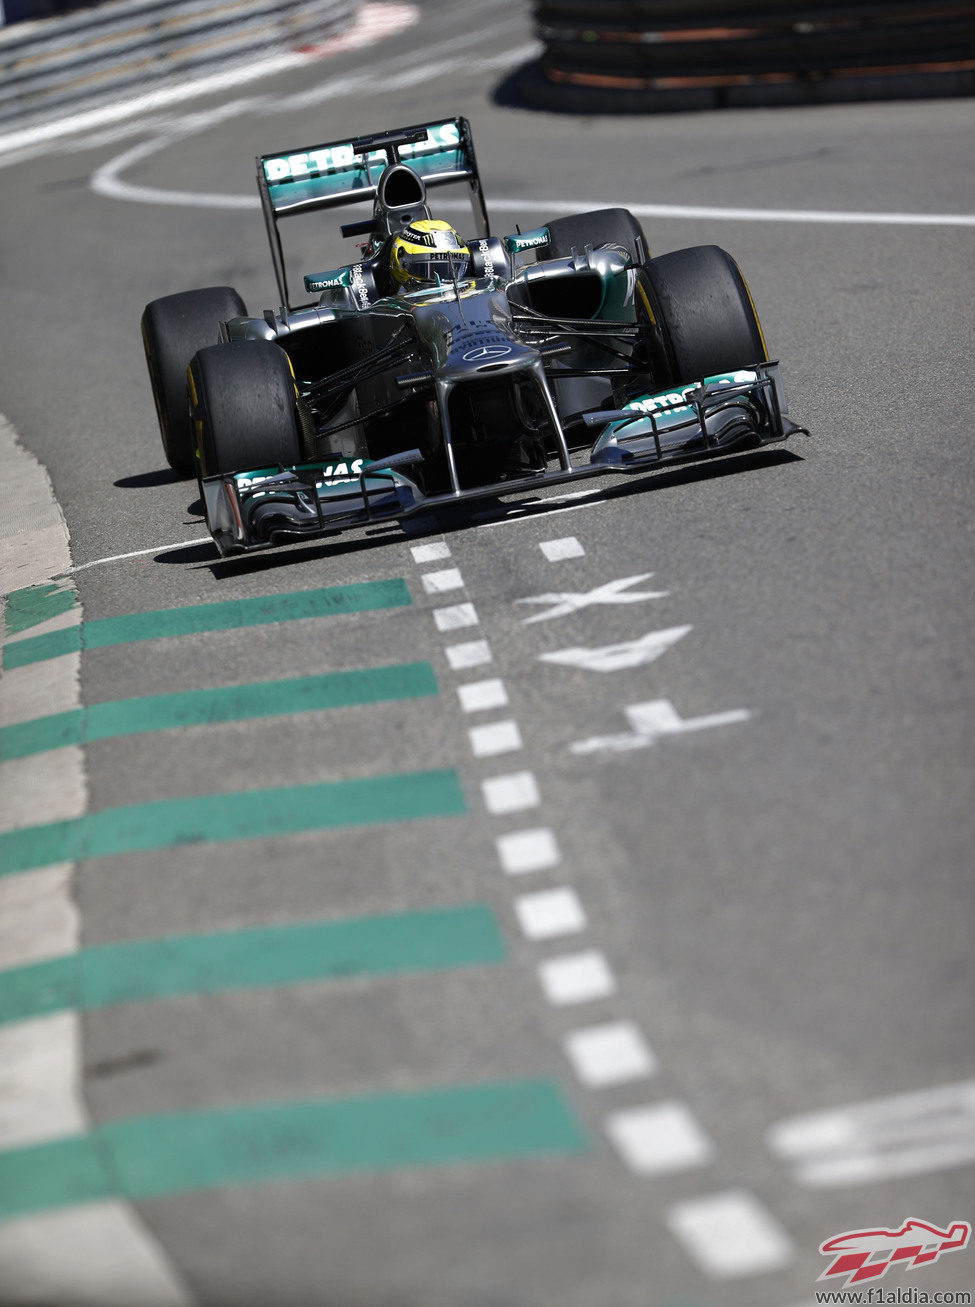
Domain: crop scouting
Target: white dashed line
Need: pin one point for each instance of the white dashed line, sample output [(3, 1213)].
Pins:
[(474, 653), (512, 793), (453, 618), (430, 553), (609, 1054), (555, 550), (437, 582), (524, 851), (495, 738), (730, 1235), (659, 1139), (478, 696), (576, 978), (550, 913)]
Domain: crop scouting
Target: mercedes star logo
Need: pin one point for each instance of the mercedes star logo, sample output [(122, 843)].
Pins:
[(485, 352)]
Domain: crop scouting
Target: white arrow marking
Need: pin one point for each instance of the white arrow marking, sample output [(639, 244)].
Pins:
[(651, 720), (905, 1134), (610, 593), (616, 657)]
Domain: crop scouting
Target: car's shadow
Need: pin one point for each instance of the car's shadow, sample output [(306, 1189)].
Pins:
[(160, 476), (688, 474), (202, 552)]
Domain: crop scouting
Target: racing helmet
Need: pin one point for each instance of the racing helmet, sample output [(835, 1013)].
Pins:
[(426, 251)]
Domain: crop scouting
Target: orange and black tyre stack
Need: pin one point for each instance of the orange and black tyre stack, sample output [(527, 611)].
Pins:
[(616, 56)]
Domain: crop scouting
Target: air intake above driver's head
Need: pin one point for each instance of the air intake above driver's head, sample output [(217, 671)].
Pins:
[(400, 187)]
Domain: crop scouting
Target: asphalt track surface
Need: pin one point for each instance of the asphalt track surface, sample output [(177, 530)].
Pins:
[(764, 917)]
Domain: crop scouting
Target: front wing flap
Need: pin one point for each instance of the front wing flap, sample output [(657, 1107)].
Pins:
[(706, 417), (262, 506)]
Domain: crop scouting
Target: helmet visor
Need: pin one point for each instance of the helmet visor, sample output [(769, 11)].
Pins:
[(434, 265)]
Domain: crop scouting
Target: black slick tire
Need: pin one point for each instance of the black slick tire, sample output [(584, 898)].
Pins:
[(700, 314), (173, 329), (244, 407), (616, 228)]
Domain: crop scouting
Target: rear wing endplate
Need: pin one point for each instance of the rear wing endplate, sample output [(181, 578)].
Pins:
[(348, 171)]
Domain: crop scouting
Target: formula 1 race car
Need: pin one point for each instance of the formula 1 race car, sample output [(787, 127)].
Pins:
[(434, 370)]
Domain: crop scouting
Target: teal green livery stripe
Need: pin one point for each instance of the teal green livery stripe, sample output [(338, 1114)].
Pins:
[(102, 721), (141, 970), (38, 603), (147, 1157), (215, 818), (226, 616)]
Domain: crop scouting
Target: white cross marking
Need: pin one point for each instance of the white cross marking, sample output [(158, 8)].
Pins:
[(610, 593)]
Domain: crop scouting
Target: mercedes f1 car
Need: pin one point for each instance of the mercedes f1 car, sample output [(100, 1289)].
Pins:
[(433, 370)]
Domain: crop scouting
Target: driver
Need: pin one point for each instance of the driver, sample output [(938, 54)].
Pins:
[(426, 253)]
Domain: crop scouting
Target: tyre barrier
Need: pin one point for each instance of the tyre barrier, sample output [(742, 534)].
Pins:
[(90, 57), (615, 56)]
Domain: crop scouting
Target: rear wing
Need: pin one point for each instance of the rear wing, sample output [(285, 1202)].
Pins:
[(348, 171)]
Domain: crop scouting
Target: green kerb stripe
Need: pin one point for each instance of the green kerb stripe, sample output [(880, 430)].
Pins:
[(146, 1157), (102, 721), (227, 616), (147, 969), (35, 604), (214, 818)]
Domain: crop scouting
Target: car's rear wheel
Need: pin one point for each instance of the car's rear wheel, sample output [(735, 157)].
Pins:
[(616, 228), (173, 329), (243, 407), (699, 314)]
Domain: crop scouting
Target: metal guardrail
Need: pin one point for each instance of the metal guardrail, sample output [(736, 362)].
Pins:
[(90, 57), (640, 55)]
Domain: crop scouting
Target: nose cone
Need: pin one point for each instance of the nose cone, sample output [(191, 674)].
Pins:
[(482, 355)]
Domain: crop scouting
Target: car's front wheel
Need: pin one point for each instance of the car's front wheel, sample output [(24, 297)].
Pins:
[(173, 329), (612, 228), (242, 404), (699, 315)]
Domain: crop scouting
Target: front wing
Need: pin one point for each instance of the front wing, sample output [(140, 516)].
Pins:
[(256, 508)]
